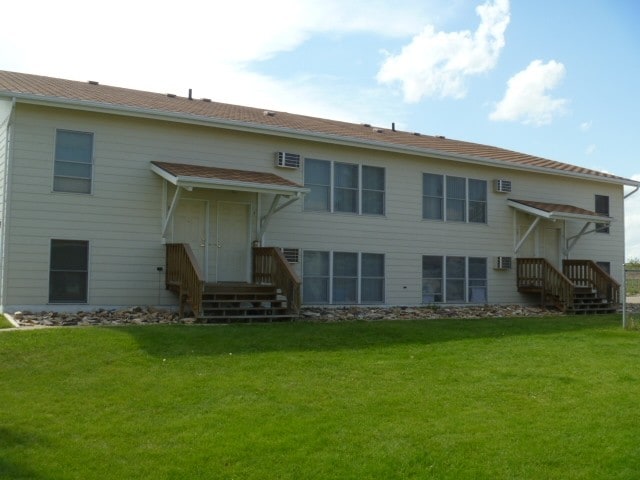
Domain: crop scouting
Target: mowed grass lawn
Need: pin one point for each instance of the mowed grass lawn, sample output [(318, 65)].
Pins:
[(543, 398)]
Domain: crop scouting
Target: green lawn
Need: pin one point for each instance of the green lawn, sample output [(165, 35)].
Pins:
[(549, 398), (4, 323)]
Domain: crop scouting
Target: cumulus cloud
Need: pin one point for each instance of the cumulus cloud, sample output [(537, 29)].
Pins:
[(632, 224), (590, 149), (439, 63), (527, 100)]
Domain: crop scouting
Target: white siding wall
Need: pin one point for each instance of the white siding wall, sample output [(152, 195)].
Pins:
[(122, 217)]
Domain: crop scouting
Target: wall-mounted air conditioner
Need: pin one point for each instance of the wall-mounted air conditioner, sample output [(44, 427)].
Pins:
[(287, 160), (292, 255), (502, 263), (502, 186)]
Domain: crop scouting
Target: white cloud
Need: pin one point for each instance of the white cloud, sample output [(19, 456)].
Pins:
[(526, 99), (586, 126), (211, 47), (438, 63), (632, 224), (590, 149)]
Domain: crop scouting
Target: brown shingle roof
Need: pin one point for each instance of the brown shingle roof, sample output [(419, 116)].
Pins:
[(558, 208), (29, 86), (228, 174)]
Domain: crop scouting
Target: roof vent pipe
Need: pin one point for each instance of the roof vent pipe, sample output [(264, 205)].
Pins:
[(190, 97), (393, 126)]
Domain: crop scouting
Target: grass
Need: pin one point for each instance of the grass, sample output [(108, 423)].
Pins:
[(449, 399), (4, 323)]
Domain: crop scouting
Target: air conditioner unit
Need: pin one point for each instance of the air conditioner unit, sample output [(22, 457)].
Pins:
[(287, 160), (502, 186), (292, 255), (503, 263)]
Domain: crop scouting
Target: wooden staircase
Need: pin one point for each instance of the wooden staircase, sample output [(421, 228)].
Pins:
[(273, 295), (223, 302), (582, 288)]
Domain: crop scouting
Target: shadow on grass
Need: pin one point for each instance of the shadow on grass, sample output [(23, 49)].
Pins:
[(11, 468), (197, 340)]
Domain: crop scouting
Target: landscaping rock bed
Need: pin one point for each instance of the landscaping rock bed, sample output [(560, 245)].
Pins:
[(155, 316)]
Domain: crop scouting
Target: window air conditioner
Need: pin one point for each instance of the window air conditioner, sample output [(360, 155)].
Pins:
[(502, 186), (287, 160)]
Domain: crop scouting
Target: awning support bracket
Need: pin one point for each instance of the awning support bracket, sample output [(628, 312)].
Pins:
[(171, 211), (527, 233), (273, 209)]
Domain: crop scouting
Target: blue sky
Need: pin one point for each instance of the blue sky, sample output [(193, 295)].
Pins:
[(557, 79)]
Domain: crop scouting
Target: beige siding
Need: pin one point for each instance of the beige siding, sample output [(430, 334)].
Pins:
[(122, 217), (5, 113)]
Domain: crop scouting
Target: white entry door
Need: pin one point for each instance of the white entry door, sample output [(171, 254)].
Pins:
[(551, 246), (190, 226), (233, 242)]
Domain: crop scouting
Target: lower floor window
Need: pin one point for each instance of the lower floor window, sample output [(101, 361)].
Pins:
[(68, 271), (342, 277), (454, 279)]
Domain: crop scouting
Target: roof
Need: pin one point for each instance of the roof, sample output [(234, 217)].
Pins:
[(557, 211), (91, 95), (225, 178)]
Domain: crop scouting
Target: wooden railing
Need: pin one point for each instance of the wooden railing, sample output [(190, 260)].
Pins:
[(270, 267), (184, 276), (587, 273), (538, 275)]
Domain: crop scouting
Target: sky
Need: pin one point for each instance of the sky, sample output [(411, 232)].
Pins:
[(557, 79)]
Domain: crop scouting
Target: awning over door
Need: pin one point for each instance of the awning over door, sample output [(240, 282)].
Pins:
[(198, 176), (557, 211), (187, 177)]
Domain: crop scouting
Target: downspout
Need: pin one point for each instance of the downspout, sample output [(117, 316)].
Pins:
[(624, 273), (6, 193)]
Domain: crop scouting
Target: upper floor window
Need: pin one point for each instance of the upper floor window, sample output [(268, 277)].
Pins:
[(344, 187), (454, 199), (602, 208), (73, 166)]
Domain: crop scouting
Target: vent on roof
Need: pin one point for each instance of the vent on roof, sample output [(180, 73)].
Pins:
[(503, 263), (378, 130), (368, 125), (417, 134), (287, 160), (269, 113), (171, 95), (441, 137), (292, 255), (93, 82), (502, 186), (206, 99)]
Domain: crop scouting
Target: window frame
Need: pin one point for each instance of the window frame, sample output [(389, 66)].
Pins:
[(53, 272), (449, 203), (60, 162), (362, 206), (334, 277), (602, 227), (445, 280)]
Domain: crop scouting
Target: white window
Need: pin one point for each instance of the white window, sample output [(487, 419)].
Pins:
[(68, 271), (454, 199), (454, 279), (342, 277), (73, 165), (344, 187)]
